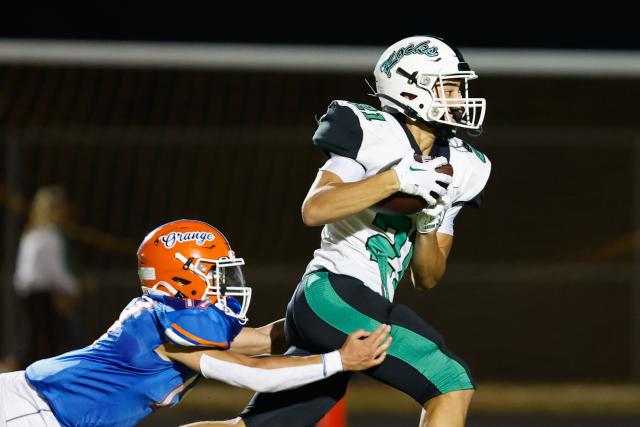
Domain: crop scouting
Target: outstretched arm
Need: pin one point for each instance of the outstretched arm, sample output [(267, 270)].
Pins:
[(361, 350), (268, 339)]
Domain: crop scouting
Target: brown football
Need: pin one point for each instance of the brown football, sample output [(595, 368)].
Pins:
[(406, 204)]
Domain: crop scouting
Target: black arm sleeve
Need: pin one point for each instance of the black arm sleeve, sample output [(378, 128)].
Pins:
[(339, 132)]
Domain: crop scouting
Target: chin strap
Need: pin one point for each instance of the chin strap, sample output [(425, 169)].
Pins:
[(170, 290), (443, 131), (475, 132), (404, 108)]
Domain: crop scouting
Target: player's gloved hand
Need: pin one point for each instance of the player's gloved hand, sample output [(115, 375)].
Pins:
[(429, 220), (421, 179)]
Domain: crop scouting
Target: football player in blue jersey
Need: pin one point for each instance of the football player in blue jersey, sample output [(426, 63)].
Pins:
[(189, 323), (423, 86)]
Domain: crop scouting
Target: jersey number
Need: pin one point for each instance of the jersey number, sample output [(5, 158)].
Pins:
[(369, 112), (382, 249)]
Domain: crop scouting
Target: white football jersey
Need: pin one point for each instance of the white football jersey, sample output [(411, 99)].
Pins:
[(372, 247)]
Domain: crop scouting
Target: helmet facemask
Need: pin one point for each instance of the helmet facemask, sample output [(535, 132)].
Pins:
[(464, 112), (424, 95), (224, 278)]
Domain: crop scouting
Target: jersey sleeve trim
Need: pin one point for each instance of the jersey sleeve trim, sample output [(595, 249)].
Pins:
[(181, 336)]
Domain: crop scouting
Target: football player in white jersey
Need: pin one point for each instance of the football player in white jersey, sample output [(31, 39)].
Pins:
[(423, 85)]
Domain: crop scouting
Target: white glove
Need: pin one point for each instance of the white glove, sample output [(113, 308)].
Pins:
[(430, 219), (420, 178)]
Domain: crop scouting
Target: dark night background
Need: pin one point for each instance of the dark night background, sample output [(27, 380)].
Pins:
[(511, 25)]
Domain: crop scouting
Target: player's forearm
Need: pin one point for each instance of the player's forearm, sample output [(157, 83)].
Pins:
[(192, 358), (335, 201), (251, 342), (270, 374), (268, 339), (275, 362), (361, 350), (429, 261)]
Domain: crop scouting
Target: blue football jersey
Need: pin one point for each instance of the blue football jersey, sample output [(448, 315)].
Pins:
[(120, 379)]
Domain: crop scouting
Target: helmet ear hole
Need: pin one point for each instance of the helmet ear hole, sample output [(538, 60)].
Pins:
[(409, 96)]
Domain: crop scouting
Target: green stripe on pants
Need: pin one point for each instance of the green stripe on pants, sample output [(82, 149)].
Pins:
[(419, 352)]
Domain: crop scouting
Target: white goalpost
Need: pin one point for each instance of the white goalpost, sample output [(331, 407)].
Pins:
[(339, 59)]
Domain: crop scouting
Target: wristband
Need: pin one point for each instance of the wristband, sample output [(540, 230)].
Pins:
[(331, 363)]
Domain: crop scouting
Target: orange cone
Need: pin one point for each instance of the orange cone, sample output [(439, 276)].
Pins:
[(337, 416)]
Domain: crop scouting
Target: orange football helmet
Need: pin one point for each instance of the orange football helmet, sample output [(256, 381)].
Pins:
[(192, 259)]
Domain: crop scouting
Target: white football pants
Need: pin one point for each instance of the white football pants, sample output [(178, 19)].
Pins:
[(20, 404)]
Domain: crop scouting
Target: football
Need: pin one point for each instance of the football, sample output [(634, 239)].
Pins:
[(407, 204)]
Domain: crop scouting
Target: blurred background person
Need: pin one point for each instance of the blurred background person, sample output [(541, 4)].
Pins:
[(46, 279)]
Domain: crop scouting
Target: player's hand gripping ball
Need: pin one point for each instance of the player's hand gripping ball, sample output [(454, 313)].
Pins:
[(401, 203)]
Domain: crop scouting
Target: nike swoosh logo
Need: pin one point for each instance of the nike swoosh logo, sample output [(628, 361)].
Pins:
[(411, 168)]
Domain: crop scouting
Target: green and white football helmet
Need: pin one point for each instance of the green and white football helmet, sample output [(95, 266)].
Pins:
[(410, 77)]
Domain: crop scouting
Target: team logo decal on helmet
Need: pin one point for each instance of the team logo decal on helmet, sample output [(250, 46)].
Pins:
[(193, 260), (427, 80), (200, 237), (396, 55)]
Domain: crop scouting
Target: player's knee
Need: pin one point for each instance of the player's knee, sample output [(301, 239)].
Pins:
[(464, 396), (460, 399)]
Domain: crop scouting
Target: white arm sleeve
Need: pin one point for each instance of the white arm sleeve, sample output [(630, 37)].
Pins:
[(269, 380), (347, 169), (447, 223)]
